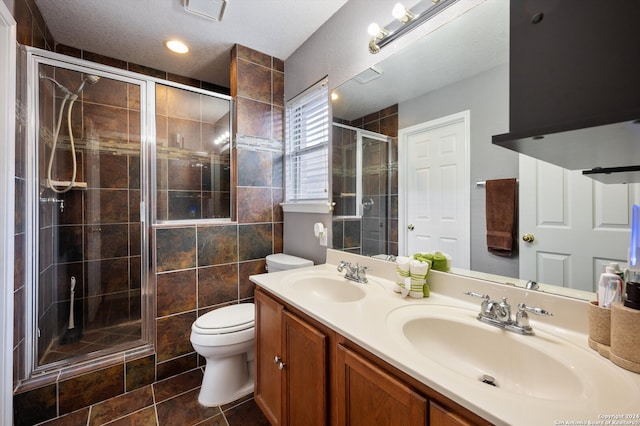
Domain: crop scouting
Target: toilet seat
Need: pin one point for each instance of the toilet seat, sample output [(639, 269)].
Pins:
[(229, 319)]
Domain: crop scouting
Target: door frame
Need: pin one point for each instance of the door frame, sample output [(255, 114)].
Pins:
[(7, 192), (403, 160)]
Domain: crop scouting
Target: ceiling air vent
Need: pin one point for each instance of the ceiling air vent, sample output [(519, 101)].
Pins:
[(210, 9), (368, 75)]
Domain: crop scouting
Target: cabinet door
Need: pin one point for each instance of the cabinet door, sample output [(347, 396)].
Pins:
[(268, 378), (305, 373), (440, 416), (572, 61), (367, 395)]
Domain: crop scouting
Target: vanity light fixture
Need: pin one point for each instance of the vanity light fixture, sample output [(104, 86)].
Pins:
[(377, 33), (176, 46), (221, 139), (406, 21)]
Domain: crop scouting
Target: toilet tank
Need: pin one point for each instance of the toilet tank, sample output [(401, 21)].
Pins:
[(283, 262)]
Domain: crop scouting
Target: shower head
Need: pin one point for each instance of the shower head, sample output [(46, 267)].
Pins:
[(91, 79), (60, 86)]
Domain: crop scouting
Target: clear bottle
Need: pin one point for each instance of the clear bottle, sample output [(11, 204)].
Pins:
[(609, 288)]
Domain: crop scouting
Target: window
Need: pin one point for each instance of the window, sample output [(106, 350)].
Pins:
[(307, 145)]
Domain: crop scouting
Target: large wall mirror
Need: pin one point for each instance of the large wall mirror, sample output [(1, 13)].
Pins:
[(464, 66)]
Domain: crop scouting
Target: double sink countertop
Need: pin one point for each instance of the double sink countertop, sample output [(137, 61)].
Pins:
[(550, 378)]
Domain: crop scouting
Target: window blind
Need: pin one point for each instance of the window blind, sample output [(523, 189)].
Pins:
[(307, 145)]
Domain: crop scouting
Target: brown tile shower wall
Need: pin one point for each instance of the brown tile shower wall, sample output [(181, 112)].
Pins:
[(212, 262)]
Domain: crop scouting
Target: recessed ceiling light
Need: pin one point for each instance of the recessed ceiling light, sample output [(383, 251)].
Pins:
[(176, 46)]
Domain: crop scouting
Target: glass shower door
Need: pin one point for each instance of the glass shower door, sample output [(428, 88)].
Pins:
[(375, 196), (90, 233)]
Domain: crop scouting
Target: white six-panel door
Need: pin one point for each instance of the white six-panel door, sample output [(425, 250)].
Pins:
[(434, 188), (578, 224)]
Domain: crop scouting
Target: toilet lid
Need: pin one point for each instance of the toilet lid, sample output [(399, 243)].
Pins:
[(228, 319)]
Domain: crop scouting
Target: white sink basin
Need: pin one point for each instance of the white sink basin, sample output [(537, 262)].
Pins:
[(329, 288), (541, 366)]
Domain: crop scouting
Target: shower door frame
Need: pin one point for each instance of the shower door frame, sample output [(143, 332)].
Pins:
[(359, 213), (103, 358)]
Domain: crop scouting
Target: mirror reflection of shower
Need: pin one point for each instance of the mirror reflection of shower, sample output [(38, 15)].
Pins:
[(71, 97), (361, 187)]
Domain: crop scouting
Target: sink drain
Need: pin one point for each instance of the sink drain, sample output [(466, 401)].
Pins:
[(490, 380)]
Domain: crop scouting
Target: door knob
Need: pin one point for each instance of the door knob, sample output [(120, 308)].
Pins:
[(528, 238), (410, 227)]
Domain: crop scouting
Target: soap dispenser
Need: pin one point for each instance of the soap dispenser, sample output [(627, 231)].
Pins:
[(609, 288)]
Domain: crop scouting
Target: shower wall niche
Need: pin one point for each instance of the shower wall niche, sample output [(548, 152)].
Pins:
[(90, 233)]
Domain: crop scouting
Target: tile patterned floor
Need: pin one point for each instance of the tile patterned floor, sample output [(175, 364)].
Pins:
[(171, 402), (92, 341)]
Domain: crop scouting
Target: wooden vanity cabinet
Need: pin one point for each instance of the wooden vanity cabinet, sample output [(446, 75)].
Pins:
[(291, 361), (328, 379), (367, 395), (439, 415)]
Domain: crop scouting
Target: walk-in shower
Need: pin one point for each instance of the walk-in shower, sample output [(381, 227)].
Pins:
[(362, 191), (109, 152), (90, 272)]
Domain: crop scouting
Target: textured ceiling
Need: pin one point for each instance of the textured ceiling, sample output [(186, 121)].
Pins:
[(134, 30)]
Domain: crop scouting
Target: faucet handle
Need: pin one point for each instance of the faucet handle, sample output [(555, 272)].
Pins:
[(481, 296), (522, 319), (537, 311), (342, 265)]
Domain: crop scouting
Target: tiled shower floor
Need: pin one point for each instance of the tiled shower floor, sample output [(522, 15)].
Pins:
[(171, 402), (92, 341)]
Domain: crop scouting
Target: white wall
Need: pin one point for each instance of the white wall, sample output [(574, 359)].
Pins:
[(486, 95)]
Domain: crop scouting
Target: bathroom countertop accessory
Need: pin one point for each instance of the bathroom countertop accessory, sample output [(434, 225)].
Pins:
[(625, 338)]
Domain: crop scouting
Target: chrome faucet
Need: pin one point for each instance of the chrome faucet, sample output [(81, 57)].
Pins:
[(498, 314), (355, 272)]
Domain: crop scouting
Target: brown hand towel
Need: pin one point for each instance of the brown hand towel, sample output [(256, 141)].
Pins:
[(501, 209)]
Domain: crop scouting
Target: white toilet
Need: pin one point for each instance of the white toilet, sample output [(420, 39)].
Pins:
[(283, 262), (225, 338)]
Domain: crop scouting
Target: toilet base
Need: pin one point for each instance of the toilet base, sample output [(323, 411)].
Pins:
[(225, 380)]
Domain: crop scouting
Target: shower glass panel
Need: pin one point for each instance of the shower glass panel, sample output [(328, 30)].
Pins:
[(361, 188), (91, 268), (375, 196), (193, 155)]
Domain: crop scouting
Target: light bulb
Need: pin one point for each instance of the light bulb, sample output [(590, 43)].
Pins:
[(398, 11), (374, 29), (401, 13)]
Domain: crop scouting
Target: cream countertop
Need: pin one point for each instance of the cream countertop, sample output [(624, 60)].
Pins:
[(365, 322)]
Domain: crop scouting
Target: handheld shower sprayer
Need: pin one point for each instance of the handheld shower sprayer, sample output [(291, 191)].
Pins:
[(71, 97), (91, 79)]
